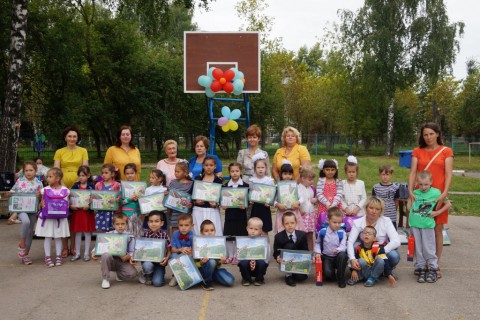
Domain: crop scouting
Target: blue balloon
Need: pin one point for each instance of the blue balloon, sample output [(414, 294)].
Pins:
[(209, 72), (204, 81), (237, 93), (226, 112), (240, 75), (209, 93), (238, 85), (235, 114)]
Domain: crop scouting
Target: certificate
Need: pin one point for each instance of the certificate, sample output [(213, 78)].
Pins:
[(151, 203), (104, 200), (252, 248), (178, 201), (23, 202), (185, 271), (80, 198), (209, 247), (234, 197), (262, 193), (113, 243), (206, 191)]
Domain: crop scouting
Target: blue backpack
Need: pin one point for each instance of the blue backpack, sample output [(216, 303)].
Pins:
[(323, 232)]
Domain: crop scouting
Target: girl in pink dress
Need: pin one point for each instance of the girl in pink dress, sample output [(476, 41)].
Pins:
[(329, 190)]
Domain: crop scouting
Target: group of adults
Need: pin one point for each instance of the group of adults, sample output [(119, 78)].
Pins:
[(430, 154)]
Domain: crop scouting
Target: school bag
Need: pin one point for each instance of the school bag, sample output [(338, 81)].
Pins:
[(323, 232), (375, 249), (403, 190), (55, 206)]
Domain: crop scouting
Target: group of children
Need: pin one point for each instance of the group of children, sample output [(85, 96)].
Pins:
[(295, 227)]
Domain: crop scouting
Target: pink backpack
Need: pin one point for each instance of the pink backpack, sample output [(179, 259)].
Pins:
[(55, 206)]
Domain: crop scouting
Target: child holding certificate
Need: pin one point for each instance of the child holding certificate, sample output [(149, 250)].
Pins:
[(261, 210), (104, 219), (130, 204), (203, 210), (235, 218), (83, 219), (181, 183), (154, 272), (210, 268), (27, 184), (182, 240)]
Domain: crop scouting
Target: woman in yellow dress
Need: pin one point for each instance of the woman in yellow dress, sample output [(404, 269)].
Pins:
[(123, 152), (68, 159)]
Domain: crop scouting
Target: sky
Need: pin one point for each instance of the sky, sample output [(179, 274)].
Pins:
[(302, 22)]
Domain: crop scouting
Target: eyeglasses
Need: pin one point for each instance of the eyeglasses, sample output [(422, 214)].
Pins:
[(368, 233)]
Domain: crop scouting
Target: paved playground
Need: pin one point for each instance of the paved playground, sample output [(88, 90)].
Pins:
[(73, 290)]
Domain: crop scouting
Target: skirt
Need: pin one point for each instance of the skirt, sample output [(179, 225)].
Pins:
[(104, 220), (309, 221), (82, 221), (200, 214), (235, 222), (261, 211), (53, 228)]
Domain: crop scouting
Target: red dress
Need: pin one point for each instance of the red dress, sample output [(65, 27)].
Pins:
[(82, 220)]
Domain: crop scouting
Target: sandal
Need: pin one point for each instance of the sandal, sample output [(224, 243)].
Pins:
[(27, 260), (64, 252), (73, 252), (58, 261), (48, 262), (21, 253)]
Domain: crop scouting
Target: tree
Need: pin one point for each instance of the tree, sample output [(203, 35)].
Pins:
[(397, 41), (10, 116)]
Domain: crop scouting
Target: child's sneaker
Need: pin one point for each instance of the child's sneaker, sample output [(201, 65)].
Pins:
[(173, 282), (86, 258), (141, 277), (258, 283), (431, 276), (21, 253), (75, 257), (246, 283), (421, 276), (105, 284), (207, 286), (370, 282), (27, 260), (351, 282), (58, 261), (48, 262), (117, 278), (148, 279)]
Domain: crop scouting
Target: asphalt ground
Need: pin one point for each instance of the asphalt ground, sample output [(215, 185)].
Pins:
[(73, 291)]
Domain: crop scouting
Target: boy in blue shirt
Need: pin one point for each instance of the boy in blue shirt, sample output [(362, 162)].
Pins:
[(182, 240)]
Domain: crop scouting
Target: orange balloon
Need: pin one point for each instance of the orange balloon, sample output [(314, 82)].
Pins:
[(222, 81), (243, 80)]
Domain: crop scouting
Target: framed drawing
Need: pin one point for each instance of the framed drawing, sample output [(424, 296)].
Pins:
[(104, 200), (80, 198), (178, 201), (262, 193), (113, 243), (234, 197), (206, 191), (296, 261), (209, 247), (151, 203), (287, 193), (252, 248), (185, 271), (147, 249), (133, 188), (23, 202)]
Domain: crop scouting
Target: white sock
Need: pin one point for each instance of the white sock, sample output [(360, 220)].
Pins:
[(58, 246), (47, 243), (88, 240), (78, 242)]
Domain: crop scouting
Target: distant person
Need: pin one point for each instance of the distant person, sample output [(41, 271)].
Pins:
[(433, 156)]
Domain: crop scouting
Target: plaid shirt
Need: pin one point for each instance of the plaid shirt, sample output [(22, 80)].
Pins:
[(147, 233)]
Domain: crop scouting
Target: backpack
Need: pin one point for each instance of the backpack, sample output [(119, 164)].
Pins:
[(55, 206), (323, 232), (375, 249), (403, 190)]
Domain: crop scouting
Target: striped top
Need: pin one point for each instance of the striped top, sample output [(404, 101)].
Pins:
[(388, 193)]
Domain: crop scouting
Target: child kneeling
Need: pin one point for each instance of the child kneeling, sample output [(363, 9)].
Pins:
[(253, 268), (371, 258), (210, 268)]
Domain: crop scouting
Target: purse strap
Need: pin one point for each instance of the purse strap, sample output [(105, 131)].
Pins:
[(434, 157)]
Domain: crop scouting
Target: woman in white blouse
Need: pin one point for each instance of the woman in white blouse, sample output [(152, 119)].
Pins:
[(386, 232)]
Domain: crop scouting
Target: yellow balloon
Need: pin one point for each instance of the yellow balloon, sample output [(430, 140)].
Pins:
[(233, 125), (225, 128)]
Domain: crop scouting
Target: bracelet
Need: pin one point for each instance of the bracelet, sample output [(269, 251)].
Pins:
[(446, 198)]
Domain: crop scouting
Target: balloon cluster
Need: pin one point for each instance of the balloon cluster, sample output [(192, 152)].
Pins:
[(230, 81), (227, 122)]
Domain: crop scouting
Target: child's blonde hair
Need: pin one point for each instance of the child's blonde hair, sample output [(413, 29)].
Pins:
[(375, 201), (306, 172), (425, 175), (184, 166), (119, 216), (184, 217), (334, 212), (56, 172), (255, 221)]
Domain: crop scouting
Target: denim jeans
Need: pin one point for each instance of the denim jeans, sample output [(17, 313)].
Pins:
[(259, 271), (374, 271), (393, 258), (210, 273), (156, 271)]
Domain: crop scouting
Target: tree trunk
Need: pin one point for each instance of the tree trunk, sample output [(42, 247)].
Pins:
[(10, 117), (390, 118)]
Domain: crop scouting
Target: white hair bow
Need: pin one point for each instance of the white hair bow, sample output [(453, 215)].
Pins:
[(352, 159), (336, 162), (258, 156), (321, 162), (285, 161)]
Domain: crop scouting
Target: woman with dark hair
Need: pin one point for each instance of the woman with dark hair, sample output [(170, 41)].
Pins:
[(69, 158), (433, 156), (123, 152), (253, 136), (202, 144)]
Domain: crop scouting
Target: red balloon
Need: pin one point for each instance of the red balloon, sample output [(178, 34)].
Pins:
[(228, 87), (217, 73), (229, 75), (215, 86)]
